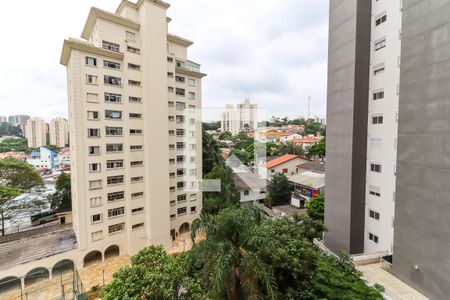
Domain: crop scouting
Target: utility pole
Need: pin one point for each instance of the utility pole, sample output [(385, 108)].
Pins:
[(309, 107)]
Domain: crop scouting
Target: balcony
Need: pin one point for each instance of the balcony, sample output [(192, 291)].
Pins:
[(188, 65)]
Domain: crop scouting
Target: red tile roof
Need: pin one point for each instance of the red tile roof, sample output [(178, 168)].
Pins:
[(280, 160), (306, 140)]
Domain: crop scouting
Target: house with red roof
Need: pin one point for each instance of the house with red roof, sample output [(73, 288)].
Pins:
[(286, 164), (306, 142)]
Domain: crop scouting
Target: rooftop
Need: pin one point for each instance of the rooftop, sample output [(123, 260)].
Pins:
[(280, 160), (306, 140), (313, 166), (244, 181), (309, 179)]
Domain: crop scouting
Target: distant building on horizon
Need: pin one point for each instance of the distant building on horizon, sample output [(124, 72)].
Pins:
[(3, 119), (242, 118), (35, 132), (59, 132), (19, 120)]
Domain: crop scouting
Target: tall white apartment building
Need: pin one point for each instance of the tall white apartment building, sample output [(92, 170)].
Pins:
[(241, 118), (59, 132), (135, 129), (35, 132)]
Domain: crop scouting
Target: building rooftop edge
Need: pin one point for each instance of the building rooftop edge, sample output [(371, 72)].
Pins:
[(84, 46), (179, 40)]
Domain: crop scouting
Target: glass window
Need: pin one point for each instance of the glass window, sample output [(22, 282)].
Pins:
[(110, 46), (111, 80), (116, 228), (113, 98), (114, 131), (116, 196), (130, 36), (113, 114), (111, 65), (114, 164), (114, 148), (112, 180), (91, 61)]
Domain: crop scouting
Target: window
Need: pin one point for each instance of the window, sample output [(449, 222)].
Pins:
[(181, 132), (94, 168), (133, 50), (93, 132), (135, 99), (374, 215), (96, 201), (180, 92), (116, 228), (97, 218), (137, 179), (375, 168), (181, 184), (92, 115), (246, 192), (180, 64), (191, 82), (136, 147), (171, 147), (134, 83), (117, 196), (94, 150), (91, 97), (180, 105), (111, 80), (192, 159), (130, 36), (180, 79), (181, 145), (91, 79), (191, 95), (377, 119), (193, 172), (180, 119), (171, 160), (181, 158), (135, 131), (137, 195), (181, 210), (114, 164), (95, 184), (192, 146), (182, 198), (137, 226), (170, 89), (373, 238), (192, 121), (111, 65), (378, 69), (91, 61), (113, 180), (172, 189), (114, 148), (191, 106), (380, 44), (113, 114), (134, 67), (114, 131), (135, 116), (113, 98), (137, 210), (193, 210), (173, 217), (170, 74), (115, 212), (97, 235), (171, 118), (374, 191), (171, 132), (170, 59), (380, 20), (378, 95), (181, 172), (110, 46), (139, 163)]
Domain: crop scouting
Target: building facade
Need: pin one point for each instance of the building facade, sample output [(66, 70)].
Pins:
[(35, 132), (59, 132), (44, 159), (135, 129), (20, 120), (242, 118)]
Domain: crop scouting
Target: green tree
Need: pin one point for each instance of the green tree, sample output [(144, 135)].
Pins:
[(228, 257), (243, 155), (289, 148), (242, 141), (225, 135), (279, 190), (211, 153), (7, 129), (211, 125), (14, 144), (316, 208), (153, 275), (62, 199), (318, 150)]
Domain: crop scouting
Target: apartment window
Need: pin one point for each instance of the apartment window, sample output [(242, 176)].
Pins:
[(377, 95), (172, 174), (137, 226), (111, 65), (191, 106), (135, 99), (180, 64), (137, 195), (111, 80), (192, 159), (113, 98), (133, 50), (139, 163), (94, 168), (113, 114), (96, 201), (171, 147), (116, 228), (95, 184), (192, 146), (93, 132), (91, 61), (181, 132), (134, 83), (113, 180), (180, 105), (137, 210), (137, 179), (91, 97), (193, 172), (117, 196), (94, 150), (171, 132), (173, 216), (378, 69), (110, 46), (170, 59), (170, 74), (377, 119), (91, 79), (182, 198), (97, 218), (180, 119), (114, 148), (114, 164), (374, 215), (193, 210), (170, 89), (180, 92), (136, 147), (130, 36), (97, 235), (192, 121), (180, 79), (181, 184), (181, 158), (171, 161), (135, 131), (373, 238), (191, 82), (134, 67), (114, 131), (191, 95), (171, 118), (115, 212), (181, 145), (374, 191), (181, 172), (93, 115), (375, 168), (135, 116), (380, 44), (380, 20), (182, 210)]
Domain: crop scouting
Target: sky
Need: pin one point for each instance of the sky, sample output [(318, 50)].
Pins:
[(273, 52)]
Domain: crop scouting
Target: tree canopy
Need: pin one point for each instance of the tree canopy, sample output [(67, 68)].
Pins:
[(7, 129), (211, 153), (279, 190), (14, 144), (316, 208), (62, 198)]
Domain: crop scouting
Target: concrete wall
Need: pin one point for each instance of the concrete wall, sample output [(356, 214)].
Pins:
[(422, 211), (347, 105)]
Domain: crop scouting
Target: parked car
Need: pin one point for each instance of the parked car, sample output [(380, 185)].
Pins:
[(43, 218)]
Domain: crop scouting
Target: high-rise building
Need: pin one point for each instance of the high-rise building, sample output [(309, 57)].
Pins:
[(35, 132), (3, 119), (243, 117), (20, 120), (135, 129), (372, 194), (59, 132)]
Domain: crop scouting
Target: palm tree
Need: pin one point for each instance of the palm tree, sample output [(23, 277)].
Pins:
[(231, 264)]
